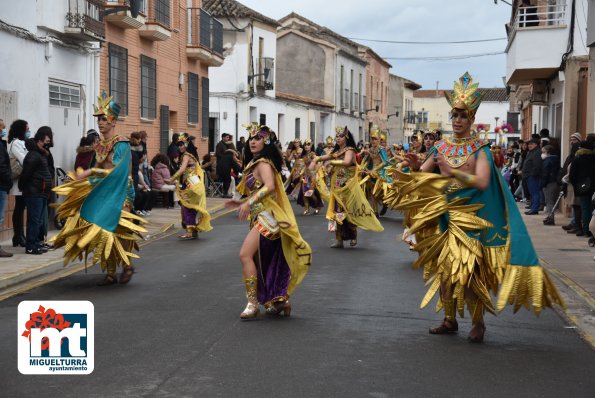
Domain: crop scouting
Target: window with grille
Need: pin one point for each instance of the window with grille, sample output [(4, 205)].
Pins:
[(148, 87), (65, 96), (118, 76), (192, 98), (205, 106), (162, 11), (297, 127)]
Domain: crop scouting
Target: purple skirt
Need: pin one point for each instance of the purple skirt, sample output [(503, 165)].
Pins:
[(273, 272), (314, 201), (346, 230), (189, 216)]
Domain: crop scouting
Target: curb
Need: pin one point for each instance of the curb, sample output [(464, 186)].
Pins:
[(32, 277)]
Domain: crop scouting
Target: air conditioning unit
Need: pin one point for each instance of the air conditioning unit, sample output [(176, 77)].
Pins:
[(539, 91)]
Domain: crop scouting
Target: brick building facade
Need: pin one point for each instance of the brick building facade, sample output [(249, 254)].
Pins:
[(156, 66)]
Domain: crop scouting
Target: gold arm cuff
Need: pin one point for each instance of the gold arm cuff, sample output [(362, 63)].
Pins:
[(97, 172), (258, 196), (468, 180), (337, 162)]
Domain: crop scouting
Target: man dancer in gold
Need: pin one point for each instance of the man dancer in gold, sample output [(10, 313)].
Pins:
[(471, 226)]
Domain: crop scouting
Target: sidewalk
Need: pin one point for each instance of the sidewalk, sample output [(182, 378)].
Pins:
[(569, 260), (41, 269)]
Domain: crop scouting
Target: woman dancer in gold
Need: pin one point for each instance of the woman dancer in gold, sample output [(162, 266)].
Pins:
[(190, 188), (348, 207), (274, 256)]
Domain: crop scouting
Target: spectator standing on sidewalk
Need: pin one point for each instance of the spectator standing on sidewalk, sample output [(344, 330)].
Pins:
[(575, 143), (173, 152), (36, 184), (86, 151), (19, 130), (43, 232), (582, 178), (549, 180), (5, 184), (532, 171)]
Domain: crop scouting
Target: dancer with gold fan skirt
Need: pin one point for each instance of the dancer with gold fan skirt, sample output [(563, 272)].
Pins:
[(98, 202), (471, 239)]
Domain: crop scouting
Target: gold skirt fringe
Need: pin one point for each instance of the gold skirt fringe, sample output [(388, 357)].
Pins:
[(459, 262), (81, 238)]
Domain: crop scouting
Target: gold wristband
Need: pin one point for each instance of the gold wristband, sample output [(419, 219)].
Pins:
[(337, 162), (258, 196), (467, 179)]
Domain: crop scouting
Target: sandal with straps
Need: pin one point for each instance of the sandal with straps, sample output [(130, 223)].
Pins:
[(479, 337), (126, 275), (108, 280), (444, 328)]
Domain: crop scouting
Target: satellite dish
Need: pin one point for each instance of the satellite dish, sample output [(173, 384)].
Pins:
[(134, 7)]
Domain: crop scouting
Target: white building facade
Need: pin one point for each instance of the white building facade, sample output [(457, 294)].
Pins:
[(45, 80)]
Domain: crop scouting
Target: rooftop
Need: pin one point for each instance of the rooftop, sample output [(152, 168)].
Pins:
[(235, 9), (489, 94)]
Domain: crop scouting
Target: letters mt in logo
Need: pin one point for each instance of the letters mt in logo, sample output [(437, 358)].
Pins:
[(56, 337)]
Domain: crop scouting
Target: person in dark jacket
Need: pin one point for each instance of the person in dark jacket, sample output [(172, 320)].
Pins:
[(573, 226), (36, 184), (5, 185), (43, 232), (228, 161), (549, 180), (582, 178), (532, 172)]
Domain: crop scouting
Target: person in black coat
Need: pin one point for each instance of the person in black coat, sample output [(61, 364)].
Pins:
[(5, 185), (36, 185), (582, 178), (549, 180), (228, 161), (532, 172)]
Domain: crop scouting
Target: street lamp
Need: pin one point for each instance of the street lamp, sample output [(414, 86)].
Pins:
[(496, 135)]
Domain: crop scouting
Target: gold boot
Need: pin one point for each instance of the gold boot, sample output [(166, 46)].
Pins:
[(251, 311), (449, 324)]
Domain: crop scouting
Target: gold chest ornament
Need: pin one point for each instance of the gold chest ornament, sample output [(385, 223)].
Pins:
[(456, 151)]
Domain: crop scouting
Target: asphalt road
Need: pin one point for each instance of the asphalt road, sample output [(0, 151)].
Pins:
[(355, 331)]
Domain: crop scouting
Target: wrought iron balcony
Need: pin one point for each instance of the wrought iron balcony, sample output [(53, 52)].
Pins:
[(205, 37), (84, 20), (157, 26), (118, 13)]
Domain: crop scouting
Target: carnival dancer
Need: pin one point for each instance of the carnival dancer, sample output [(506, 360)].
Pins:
[(375, 161), (190, 188), (98, 203), (384, 144), (475, 242), (274, 256), (309, 194), (348, 207), (297, 166)]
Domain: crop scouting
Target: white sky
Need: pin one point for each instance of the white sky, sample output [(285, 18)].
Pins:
[(414, 20)]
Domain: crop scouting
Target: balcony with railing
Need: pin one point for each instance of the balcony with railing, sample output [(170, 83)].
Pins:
[(537, 39), (84, 20), (117, 12), (158, 23), (266, 74), (205, 37)]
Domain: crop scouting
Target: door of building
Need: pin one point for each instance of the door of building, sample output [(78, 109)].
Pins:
[(65, 121)]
